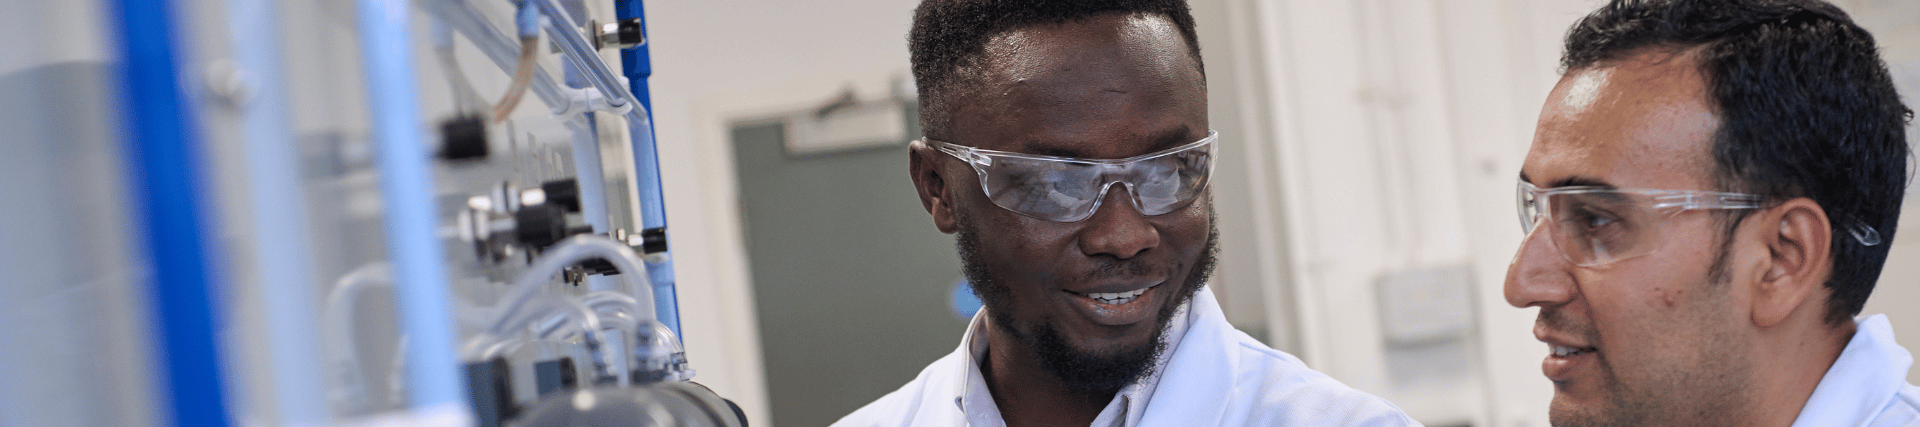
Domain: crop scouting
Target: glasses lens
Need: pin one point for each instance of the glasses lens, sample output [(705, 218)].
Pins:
[(1069, 190), (1163, 184), (1053, 191), (1528, 206), (1598, 227)]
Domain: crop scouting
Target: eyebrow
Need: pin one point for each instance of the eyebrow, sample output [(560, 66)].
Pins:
[(1571, 181), (1164, 140)]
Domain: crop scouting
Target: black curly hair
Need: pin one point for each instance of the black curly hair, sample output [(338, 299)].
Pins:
[(1807, 109), (949, 35)]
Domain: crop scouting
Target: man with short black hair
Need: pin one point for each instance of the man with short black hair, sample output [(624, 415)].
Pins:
[(1067, 145), (1709, 199)]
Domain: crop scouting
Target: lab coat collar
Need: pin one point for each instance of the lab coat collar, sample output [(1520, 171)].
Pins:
[(975, 401), (1198, 376), (1863, 381)]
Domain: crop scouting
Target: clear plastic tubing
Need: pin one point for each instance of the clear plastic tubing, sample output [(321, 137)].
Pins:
[(548, 317), (563, 29), (340, 309), (503, 49), (589, 168), (570, 251), (653, 213), (615, 306)]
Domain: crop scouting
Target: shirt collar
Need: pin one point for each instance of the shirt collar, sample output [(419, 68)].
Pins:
[(1869, 372), (975, 401)]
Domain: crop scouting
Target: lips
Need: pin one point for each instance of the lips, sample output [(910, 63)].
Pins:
[(1571, 346), (1116, 307), (1564, 351), (1117, 298), (1565, 359)]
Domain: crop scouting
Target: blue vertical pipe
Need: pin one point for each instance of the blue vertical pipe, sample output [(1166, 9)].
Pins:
[(637, 64), (278, 213), (163, 164), (406, 191)]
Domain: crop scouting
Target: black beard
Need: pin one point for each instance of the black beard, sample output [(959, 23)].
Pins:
[(1080, 371)]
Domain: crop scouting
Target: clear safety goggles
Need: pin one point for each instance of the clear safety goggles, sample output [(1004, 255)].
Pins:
[(1067, 189), (1593, 225)]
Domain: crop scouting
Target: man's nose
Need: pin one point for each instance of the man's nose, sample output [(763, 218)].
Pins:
[(1117, 228), (1538, 275)]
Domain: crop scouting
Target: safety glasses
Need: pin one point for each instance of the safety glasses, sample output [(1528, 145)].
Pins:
[(1066, 189), (1593, 225)]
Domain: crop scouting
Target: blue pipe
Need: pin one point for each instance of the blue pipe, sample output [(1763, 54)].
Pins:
[(646, 165), (164, 164), (406, 190), (639, 59), (646, 157), (526, 18), (638, 66), (279, 221)]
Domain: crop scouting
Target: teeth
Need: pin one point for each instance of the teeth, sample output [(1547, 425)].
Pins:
[(1567, 351), (1117, 298)]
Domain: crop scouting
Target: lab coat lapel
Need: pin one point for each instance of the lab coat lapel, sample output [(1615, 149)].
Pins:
[(1198, 379)]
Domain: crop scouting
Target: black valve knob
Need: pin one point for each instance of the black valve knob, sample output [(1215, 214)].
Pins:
[(564, 193), (539, 226), (463, 138)]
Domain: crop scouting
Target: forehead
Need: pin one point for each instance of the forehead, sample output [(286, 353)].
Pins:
[(1643, 121), (1108, 86)]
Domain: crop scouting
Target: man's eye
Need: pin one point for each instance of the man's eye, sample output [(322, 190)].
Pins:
[(1588, 220), (1597, 221)]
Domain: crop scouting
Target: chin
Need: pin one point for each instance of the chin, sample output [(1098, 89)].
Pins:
[(1567, 414)]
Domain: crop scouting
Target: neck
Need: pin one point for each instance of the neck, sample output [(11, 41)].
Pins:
[(1791, 360), (1029, 395)]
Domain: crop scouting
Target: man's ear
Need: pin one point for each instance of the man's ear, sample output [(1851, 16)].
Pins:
[(1800, 259), (924, 163)]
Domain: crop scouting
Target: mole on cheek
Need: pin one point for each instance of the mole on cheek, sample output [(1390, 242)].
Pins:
[(1667, 297)]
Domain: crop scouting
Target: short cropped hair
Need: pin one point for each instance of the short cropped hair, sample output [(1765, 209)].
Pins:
[(950, 35), (1806, 106)]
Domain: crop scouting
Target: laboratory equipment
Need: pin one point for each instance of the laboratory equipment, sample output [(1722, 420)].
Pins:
[(391, 212)]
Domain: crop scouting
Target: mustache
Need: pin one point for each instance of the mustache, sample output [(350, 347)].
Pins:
[(1555, 319), (1107, 268)]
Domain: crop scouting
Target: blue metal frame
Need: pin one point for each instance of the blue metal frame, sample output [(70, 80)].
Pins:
[(637, 64), (637, 61), (164, 164)]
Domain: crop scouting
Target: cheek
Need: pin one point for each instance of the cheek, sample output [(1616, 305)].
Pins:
[(1190, 225), (1012, 242), (1641, 309)]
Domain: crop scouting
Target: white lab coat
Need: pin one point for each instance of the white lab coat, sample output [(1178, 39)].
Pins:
[(1867, 386), (1215, 375)]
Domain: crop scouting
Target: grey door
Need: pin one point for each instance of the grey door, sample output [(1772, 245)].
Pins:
[(851, 279)]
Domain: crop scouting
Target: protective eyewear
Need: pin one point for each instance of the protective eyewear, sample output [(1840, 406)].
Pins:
[(1594, 225), (1067, 189)]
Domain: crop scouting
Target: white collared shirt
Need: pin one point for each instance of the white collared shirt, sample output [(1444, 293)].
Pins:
[(1214, 375), (1867, 386)]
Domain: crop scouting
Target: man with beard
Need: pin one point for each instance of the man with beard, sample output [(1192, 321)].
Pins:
[(1708, 201), (1067, 145)]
